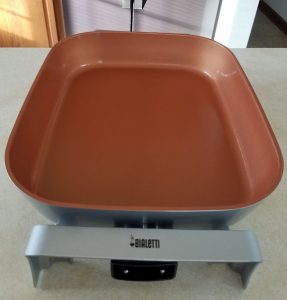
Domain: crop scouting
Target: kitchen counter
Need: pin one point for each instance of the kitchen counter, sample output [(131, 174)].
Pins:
[(267, 71)]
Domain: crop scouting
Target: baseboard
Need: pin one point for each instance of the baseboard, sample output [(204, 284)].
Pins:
[(273, 16)]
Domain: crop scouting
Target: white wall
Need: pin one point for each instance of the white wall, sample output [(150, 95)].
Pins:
[(235, 22), (180, 16), (280, 6)]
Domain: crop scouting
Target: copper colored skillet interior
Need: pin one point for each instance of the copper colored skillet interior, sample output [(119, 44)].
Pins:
[(134, 121)]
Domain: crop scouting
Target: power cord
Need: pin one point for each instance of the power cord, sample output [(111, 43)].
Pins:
[(132, 14)]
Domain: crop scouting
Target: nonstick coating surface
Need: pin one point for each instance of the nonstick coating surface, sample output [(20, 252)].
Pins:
[(143, 122)]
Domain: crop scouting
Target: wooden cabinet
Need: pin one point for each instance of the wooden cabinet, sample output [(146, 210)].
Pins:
[(30, 23)]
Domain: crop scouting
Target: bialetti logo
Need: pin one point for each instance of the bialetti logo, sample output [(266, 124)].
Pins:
[(144, 243)]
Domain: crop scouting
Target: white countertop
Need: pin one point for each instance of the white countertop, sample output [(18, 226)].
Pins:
[(267, 71)]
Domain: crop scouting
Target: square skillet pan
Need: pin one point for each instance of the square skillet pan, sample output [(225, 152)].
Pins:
[(143, 122)]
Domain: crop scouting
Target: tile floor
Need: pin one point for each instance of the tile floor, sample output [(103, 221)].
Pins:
[(266, 34)]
